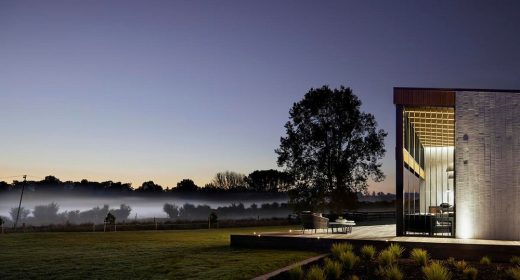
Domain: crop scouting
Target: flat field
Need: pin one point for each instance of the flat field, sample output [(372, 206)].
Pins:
[(179, 254)]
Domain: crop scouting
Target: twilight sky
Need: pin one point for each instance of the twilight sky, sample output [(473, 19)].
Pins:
[(165, 90)]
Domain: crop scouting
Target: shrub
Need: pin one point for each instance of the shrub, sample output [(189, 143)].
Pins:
[(515, 260), (315, 273), (354, 277), (338, 248), (470, 273), (435, 271), (451, 261), (368, 252), (296, 273), (386, 258), (514, 273), (396, 250), (332, 269), (348, 259), (485, 260), (390, 272), (460, 265), (420, 256)]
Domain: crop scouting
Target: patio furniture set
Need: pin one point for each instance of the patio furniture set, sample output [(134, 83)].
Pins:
[(313, 221)]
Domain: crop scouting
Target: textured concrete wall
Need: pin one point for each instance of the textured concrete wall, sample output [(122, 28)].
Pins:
[(487, 164)]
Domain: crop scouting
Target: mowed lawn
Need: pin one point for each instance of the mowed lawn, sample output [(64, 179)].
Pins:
[(182, 254)]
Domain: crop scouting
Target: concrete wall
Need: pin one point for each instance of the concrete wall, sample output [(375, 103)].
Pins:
[(487, 164)]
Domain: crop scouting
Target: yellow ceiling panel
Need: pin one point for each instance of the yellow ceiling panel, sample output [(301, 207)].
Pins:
[(434, 126)]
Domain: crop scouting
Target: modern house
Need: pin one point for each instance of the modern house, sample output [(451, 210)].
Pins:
[(458, 162)]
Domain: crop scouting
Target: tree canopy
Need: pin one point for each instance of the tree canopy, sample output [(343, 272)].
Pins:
[(331, 148), (269, 181), (186, 185), (229, 180)]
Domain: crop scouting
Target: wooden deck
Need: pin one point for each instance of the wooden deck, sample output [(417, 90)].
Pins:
[(380, 236)]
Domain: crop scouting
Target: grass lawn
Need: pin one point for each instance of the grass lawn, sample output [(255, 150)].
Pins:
[(186, 254)]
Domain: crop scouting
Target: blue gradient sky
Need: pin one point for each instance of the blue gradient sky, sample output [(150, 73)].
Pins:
[(165, 90)]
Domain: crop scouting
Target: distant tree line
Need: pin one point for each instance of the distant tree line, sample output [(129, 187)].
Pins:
[(49, 215), (190, 212), (272, 181)]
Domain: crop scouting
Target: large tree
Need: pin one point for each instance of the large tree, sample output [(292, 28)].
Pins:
[(331, 148)]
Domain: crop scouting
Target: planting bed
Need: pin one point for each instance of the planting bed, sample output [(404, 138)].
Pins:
[(409, 268)]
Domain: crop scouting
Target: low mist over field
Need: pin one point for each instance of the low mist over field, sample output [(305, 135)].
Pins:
[(141, 207)]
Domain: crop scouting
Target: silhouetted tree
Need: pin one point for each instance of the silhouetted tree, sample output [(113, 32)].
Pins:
[(213, 219), (110, 219), (171, 210), (4, 186), (331, 148), (269, 181), (228, 180), (51, 180), (46, 214), (150, 187), (116, 187), (186, 185), (122, 213), (73, 217), (192, 212), (24, 213), (94, 215)]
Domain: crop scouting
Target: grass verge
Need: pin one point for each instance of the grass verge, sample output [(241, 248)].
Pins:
[(180, 254)]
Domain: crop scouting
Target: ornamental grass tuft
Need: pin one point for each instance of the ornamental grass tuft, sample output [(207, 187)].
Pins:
[(451, 261), (391, 272), (515, 260), (460, 265), (338, 248), (470, 273), (435, 271), (368, 252), (296, 273), (485, 260), (348, 259), (513, 273), (419, 256), (315, 273), (396, 249), (332, 269), (386, 258)]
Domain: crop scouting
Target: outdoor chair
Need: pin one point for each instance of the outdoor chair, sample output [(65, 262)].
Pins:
[(313, 222)]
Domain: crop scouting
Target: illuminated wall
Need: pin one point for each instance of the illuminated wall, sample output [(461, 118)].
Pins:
[(487, 160), (437, 187)]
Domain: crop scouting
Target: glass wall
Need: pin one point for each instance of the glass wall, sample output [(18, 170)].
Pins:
[(428, 171)]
